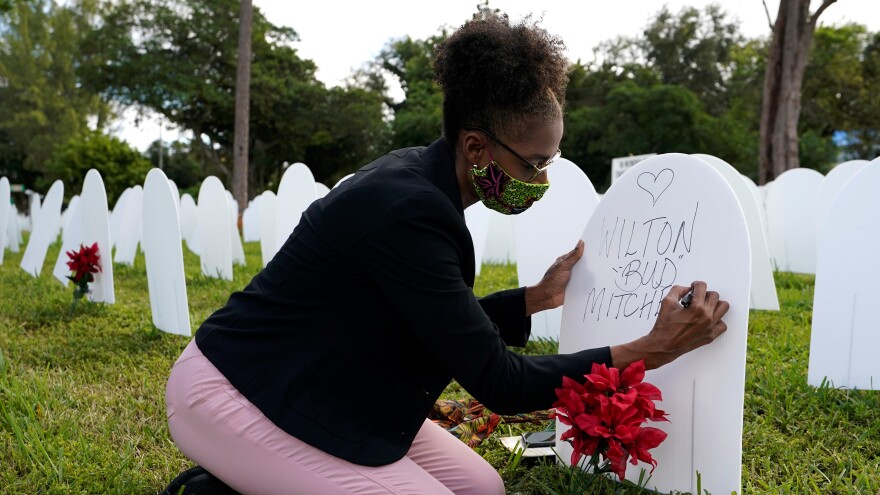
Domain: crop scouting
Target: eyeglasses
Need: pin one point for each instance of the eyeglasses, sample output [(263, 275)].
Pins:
[(536, 169)]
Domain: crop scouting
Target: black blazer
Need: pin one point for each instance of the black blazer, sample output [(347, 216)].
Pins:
[(365, 314)]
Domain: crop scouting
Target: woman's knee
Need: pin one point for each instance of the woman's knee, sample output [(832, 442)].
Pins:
[(485, 480)]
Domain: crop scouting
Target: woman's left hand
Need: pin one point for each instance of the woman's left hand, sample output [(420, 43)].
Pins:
[(549, 293)]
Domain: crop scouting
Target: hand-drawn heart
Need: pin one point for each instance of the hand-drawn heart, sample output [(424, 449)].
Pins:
[(656, 185)]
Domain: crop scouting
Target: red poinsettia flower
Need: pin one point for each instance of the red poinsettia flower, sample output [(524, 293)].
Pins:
[(617, 457), (84, 263), (602, 379), (646, 439), (606, 413)]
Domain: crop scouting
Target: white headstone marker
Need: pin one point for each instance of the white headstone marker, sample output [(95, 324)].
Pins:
[(349, 176), (34, 207), (671, 220), (67, 215), (763, 291), (44, 230), (13, 230), (476, 218), (845, 336), (295, 193), (791, 220), (831, 186), (116, 216), (267, 226), (188, 212), (500, 241), (624, 163), (549, 229), (212, 227), (175, 193), (5, 208), (90, 224), (321, 190), (163, 253), (129, 227), (234, 236), (250, 221)]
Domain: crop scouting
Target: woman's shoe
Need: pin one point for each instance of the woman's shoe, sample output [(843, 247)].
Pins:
[(197, 481)]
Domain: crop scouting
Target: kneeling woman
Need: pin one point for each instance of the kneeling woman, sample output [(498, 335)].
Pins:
[(371, 298)]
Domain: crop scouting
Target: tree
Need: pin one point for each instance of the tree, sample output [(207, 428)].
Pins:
[(242, 107), (693, 49), (418, 117), (783, 81), (180, 164), (178, 58), (120, 165), (42, 104)]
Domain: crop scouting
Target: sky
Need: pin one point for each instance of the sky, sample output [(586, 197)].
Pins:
[(341, 36)]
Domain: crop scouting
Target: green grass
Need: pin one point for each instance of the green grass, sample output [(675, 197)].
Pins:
[(82, 398)]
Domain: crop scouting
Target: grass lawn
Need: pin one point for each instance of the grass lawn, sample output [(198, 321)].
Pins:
[(82, 398)]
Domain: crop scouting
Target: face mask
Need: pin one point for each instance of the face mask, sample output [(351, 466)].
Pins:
[(501, 192)]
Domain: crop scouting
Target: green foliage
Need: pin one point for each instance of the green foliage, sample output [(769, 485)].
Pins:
[(693, 49), (635, 119), (817, 152), (42, 104), (178, 58), (82, 410), (119, 164), (418, 118), (179, 162)]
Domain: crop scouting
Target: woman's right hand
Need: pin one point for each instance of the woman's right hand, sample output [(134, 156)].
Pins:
[(678, 329)]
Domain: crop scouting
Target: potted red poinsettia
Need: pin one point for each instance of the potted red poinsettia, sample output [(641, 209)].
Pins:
[(83, 264), (607, 414)]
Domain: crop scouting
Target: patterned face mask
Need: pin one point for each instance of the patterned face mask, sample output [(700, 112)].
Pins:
[(501, 192)]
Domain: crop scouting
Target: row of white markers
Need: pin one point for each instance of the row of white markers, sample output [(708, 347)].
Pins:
[(668, 220)]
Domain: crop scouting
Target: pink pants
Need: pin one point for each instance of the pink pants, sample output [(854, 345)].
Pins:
[(215, 426)]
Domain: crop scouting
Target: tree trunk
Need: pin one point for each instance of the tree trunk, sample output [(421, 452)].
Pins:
[(242, 107), (783, 80)]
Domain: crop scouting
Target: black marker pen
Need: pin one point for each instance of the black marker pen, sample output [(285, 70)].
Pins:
[(686, 300)]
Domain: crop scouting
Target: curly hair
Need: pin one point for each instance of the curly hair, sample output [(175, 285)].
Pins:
[(495, 75)]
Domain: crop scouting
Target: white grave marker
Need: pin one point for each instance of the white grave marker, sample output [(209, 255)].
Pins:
[(116, 216), (13, 230), (175, 193), (759, 201), (44, 230), (67, 215), (763, 291), (5, 208), (295, 193), (846, 327), (250, 221), (671, 220), (188, 211), (163, 253), (267, 226), (476, 218), (232, 201), (624, 163), (551, 228), (791, 220), (129, 227), (34, 206), (234, 237), (349, 176), (212, 227), (321, 190), (831, 186), (90, 224), (500, 244)]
